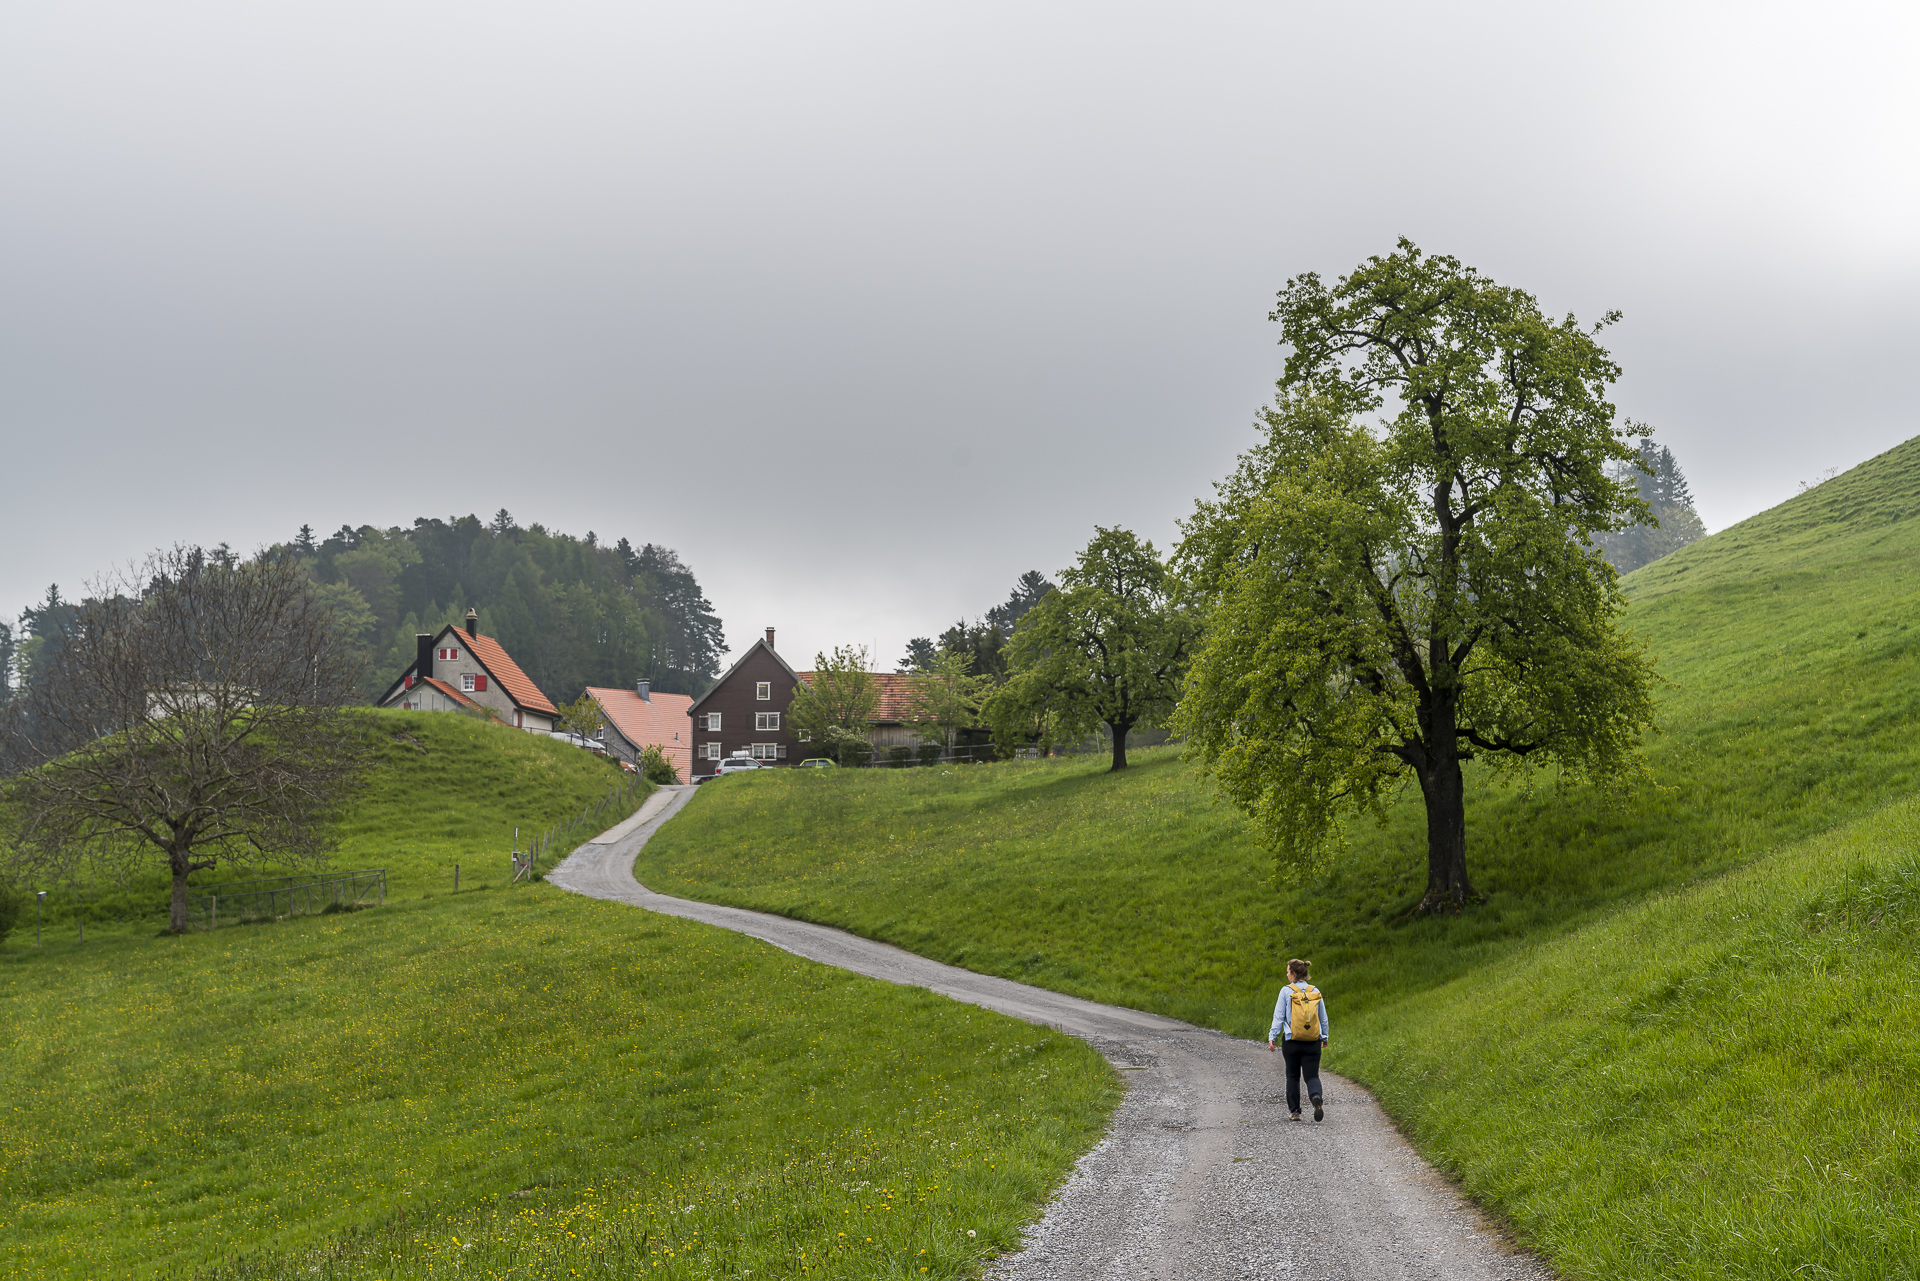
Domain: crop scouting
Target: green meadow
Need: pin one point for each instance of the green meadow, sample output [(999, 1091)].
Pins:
[(437, 792), (1658, 1047), (509, 1081)]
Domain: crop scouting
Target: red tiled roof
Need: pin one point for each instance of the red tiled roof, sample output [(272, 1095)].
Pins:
[(519, 688), (663, 720), (896, 697)]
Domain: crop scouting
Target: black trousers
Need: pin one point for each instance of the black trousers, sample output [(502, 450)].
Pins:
[(1302, 1060)]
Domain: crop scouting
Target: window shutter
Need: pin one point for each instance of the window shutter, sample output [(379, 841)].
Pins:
[(480, 684)]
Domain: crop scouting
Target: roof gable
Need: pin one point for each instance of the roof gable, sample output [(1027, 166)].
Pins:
[(740, 662), (514, 683)]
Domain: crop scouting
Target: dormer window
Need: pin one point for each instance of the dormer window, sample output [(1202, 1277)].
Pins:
[(763, 690)]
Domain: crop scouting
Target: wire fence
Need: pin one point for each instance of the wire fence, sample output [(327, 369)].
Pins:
[(562, 837), (902, 756), (236, 902)]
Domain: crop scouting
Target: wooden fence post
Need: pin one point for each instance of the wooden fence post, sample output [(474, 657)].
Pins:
[(456, 878)]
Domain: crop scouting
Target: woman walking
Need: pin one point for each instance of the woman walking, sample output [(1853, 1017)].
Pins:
[(1300, 1026)]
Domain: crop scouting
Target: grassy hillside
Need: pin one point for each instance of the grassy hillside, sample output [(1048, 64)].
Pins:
[(440, 790), (1790, 712), (506, 1079)]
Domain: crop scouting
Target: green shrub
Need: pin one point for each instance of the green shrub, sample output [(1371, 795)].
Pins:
[(656, 768)]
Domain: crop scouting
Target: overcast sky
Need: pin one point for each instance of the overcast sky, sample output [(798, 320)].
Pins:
[(867, 308)]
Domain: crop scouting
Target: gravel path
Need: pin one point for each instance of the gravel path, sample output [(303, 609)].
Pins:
[(1201, 1177)]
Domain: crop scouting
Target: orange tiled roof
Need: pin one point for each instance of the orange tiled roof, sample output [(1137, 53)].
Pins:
[(448, 690), (504, 670), (663, 720), (896, 697)]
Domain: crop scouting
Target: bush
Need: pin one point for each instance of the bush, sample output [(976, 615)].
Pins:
[(656, 768), (930, 753), (899, 755)]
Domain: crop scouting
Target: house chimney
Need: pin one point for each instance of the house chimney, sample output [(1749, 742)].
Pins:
[(645, 690), (769, 638), (422, 655), (473, 623)]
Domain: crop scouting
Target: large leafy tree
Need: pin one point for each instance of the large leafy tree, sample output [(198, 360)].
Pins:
[(1403, 576), (834, 706), (1108, 648), (192, 714)]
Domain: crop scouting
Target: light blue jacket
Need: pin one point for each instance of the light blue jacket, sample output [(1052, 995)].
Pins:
[(1283, 1025)]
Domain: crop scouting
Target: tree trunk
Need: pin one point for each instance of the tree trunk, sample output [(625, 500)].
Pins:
[(1120, 732), (1446, 795), (177, 914)]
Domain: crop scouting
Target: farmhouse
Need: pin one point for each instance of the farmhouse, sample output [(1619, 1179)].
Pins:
[(461, 669), (746, 711), (638, 718)]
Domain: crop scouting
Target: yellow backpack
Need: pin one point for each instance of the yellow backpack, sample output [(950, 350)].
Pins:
[(1303, 1013)]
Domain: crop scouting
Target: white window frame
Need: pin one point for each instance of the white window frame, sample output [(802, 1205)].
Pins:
[(765, 751), (805, 736), (449, 654), (712, 753), (763, 690), (466, 682), (713, 722), (766, 721)]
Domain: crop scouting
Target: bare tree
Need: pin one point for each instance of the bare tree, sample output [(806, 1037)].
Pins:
[(195, 712)]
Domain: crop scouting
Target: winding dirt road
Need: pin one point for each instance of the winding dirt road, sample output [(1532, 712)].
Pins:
[(1201, 1176)]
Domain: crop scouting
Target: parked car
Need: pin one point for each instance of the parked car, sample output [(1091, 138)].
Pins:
[(735, 765), (818, 762)]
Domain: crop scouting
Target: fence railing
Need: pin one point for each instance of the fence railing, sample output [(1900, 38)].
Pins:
[(235, 902), (563, 836)]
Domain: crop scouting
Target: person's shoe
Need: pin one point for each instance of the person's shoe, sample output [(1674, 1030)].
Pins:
[(1318, 1111), (1293, 1116)]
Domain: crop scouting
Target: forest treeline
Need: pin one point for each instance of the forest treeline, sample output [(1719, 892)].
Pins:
[(572, 611)]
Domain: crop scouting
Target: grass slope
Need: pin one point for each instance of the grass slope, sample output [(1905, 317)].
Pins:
[(1790, 713), (439, 790), (503, 1080)]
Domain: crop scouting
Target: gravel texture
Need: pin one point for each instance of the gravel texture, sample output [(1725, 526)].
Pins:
[(1201, 1177)]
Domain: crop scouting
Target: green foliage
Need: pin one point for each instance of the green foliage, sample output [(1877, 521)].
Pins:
[(983, 640), (947, 697), (1108, 648), (656, 768), (572, 612), (1633, 1098), (833, 709), (1386, 603), (582, 716), (1672, 522), (11, 903)]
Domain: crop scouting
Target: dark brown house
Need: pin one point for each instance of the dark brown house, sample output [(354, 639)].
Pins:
[(745, 713)]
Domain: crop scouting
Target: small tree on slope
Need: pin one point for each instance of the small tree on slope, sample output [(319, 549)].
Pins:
[(194, 712), (1398, 600), (1108, 648)]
